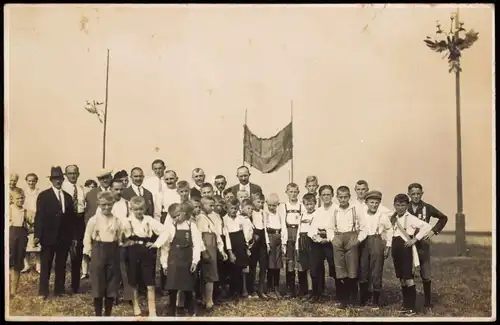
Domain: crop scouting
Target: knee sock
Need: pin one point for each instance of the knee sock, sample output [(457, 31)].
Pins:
[(270, 277), (404, 290), (376, 297), (354, 290), (338, 289), (302, 283), (188, 302), (108, 306), (363, 293), (276, 279), (98, 306), (427, 292), (412, 297)]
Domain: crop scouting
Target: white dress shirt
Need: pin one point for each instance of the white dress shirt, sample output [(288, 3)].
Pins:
[(60, 196), (378, 224), (245, 188), (198, 246), (30, 198), (321, 220), (139, 190), (411, 223), (259, 222), (345, 220), (120, 208), (207, 224), (170, 196), (273, 220), (292, 218), (80, 194), (145, 228), (156, 186), (101, 228), (305, 222), (234, 225)]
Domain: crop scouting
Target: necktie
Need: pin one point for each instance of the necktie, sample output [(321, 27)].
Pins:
[(60, 200), (139, 190), (75, 198)]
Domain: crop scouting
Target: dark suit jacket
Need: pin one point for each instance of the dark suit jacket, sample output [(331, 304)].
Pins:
[(52, 226), (129, 193), (91, 203), (254, 188), (195, 193)]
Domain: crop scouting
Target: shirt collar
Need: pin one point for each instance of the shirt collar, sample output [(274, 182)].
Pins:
[(56, 190), (103, 190), (351, 206)]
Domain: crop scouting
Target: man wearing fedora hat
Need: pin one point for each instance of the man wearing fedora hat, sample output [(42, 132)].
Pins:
[(54, 228), (104, 178)]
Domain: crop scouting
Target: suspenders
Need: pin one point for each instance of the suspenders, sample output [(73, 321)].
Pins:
[(354, 218), (299, 211)]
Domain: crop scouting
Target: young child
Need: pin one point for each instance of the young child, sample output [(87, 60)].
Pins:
[(209, 227), (260, 249), (325, 212), (348, 230), (101, 241), (31, 195), (276, 246), (222, 264), (303, 244), (183, 188), (18, 237), (198, 292), (312, 187), (237, 245), (290, 214), (404, 252), (179, 257), (137, 236), (206, 190), (246, 212), (228, 195), (242, 195), (373, 250), (320, 233), (425, 211)]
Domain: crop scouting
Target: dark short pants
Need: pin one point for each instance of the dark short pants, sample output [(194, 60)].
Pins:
[(402, 258), (18, 240), (141, 265)]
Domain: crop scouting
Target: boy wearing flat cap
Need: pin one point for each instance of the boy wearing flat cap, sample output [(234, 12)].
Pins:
[(373, 249)]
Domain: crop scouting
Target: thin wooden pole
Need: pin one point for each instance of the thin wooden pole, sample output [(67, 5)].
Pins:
[(291, 121), (460, 217), (244, 127), (105, 114)]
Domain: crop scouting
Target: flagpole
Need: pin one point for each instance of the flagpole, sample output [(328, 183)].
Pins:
[(291, 120), (244, 125), (105, 114)]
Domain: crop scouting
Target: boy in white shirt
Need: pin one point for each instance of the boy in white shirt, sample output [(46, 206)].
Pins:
[(312, 186), (373, 249), (404, 252), (138, 238), (237, 243), (348, 229), (304, 242), (276, 246), (260, 249), (321, 235), (290, 213)]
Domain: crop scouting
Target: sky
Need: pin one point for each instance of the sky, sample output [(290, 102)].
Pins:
[(370, 100)]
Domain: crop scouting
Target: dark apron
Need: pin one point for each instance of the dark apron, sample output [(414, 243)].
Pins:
[(180, 258), (239, 248), (275, 254), (304, 252), (209, 267)]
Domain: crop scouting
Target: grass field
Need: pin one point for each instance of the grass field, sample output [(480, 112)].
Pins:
[(461, 288)]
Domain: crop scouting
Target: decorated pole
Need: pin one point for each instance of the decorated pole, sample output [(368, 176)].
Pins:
[(452, 45)]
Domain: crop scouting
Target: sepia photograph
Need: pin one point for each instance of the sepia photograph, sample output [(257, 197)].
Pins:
[(263, 162)]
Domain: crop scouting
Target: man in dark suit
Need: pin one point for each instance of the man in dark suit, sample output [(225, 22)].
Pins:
[(136, 189), (243, 174), (55, 220), (198, 176), (104, 177)]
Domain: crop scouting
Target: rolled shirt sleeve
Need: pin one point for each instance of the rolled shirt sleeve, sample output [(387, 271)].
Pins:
[(161, 230), (423, 226), (389, 230), (226, 237), (87, 237)]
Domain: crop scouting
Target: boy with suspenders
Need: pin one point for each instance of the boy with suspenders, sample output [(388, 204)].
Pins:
[(348, 229), (290, 214)]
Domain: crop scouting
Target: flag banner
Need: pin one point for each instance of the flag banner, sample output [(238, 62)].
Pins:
[(268, 155)]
